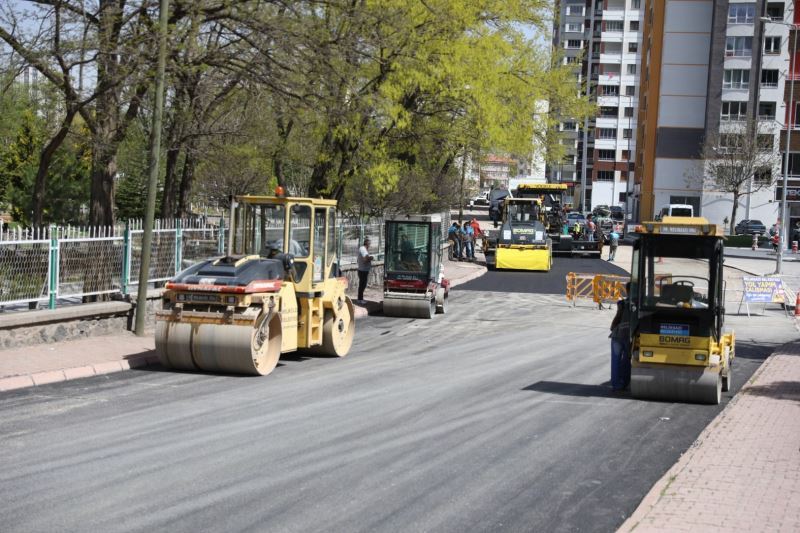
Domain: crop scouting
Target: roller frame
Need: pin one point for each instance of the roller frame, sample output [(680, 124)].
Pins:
[(674, 383)]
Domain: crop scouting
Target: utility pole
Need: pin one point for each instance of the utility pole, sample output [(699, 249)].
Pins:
[(155, 155)]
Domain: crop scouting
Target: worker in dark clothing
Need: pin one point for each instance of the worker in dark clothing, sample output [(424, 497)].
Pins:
[(621, 344)]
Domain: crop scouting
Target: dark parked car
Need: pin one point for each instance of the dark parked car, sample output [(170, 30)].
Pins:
[(617, 213), (750, 227)]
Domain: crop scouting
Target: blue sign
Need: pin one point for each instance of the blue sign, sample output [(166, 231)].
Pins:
[(680, 330), (763, 290)]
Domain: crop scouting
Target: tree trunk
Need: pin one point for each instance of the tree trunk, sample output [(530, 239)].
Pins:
[(168, 200), (104, 169), (187, 180), (736, 197), (45, 157)]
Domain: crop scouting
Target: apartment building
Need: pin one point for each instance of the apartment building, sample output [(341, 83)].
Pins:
[(602, 38), (707, 67)]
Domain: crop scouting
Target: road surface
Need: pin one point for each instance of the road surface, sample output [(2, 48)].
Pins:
[(494, 417)]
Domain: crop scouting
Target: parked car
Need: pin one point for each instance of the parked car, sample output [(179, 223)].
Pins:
[(481, 199), (617, 213), (750, 227)]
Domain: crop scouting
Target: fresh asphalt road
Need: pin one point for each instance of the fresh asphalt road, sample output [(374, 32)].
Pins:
[(494, 417)]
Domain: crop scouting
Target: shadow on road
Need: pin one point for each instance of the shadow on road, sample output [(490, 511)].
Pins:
[(603, 390), (780, 390)]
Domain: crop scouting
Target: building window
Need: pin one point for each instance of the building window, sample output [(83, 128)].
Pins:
[(607, 111), (631, 68), (766, 110), (605, 175), (626, 155), (605, 155), (627, 133), (739, 46), (733, 111), (741, 13), (574, 43), (606, 133), (763, 176), (613, 25), (736, 79), (575, 10), (574, 27), (622, 197), (629, 112), (769, 78), (568, 126), (636, 4), (633, 47), (775, 11), (634, 25), (609, 90), (766, 141), (630, 90), (571, 60), (772, 46)]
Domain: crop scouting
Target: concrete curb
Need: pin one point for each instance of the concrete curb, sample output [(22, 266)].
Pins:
[(67, 374), (652, 498)]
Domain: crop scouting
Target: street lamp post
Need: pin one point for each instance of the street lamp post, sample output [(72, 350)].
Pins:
[(783, 232)]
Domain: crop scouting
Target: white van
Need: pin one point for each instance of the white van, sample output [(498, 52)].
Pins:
[(676, 210)]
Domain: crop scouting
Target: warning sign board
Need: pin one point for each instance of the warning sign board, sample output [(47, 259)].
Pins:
[(763, 290)]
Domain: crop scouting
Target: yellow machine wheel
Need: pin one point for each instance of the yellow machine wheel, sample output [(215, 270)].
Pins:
[(226, 348), (337, 333)]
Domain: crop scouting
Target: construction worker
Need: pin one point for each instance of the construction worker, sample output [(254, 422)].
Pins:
[(621, 344)]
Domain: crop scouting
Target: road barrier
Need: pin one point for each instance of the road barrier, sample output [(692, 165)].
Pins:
[(600, 288)]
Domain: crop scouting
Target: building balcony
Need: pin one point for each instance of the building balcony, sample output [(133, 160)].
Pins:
[(609, 78), (613, 14), (611, 58), (611, 36)]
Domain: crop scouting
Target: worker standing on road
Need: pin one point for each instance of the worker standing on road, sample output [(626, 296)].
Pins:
[(621, 344), (469, 242), (364, 266), (591, 227), (453, 235), (613, 241)]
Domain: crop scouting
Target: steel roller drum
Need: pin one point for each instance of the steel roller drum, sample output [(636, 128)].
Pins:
[(224, 348), (409, 307), (676, 384)]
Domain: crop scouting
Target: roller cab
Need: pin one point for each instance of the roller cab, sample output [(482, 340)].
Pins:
[(277, 290), (679, 349), (522, 242), (413, 280)]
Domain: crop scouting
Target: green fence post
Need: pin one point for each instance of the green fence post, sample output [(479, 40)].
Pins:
[(53, 285), (221, 237), (126, 259), (178, 246)]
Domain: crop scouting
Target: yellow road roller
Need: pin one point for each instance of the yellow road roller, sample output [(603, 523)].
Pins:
[(277, 290), (522, 242), (413, 275), (679, 351)]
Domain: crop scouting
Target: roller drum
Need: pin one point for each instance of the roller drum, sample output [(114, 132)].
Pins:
[(408, 307), (676, 384), (224, 348), (172, 345)]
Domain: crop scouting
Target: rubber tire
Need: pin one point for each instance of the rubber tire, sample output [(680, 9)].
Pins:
[(719, 391), (727, 381), (441, 308), (337, 335)]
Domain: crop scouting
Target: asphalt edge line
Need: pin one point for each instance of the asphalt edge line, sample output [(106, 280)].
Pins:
[(657, 491), (45, 377)]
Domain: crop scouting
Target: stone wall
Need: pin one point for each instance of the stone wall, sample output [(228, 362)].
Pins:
[(75, 322)]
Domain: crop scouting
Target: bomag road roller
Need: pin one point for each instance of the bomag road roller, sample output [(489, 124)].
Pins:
[(277, 290), (521, 243), (413, 274), (679, 351)]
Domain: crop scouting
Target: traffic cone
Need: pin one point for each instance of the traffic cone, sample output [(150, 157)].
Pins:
[(797, 305)]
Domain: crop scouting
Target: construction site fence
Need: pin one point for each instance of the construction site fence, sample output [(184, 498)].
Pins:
[(47, 264), (599, 288)]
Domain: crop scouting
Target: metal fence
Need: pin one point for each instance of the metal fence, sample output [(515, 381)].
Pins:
[(69, 263)]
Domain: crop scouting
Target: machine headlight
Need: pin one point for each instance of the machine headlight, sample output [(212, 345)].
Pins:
[(647, 354), (700, 356)]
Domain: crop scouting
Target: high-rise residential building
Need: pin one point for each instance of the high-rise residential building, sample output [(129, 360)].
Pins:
[(602, 38), (709, 67)]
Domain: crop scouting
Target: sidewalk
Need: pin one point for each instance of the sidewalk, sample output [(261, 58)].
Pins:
[(48, 363), (743, 472)]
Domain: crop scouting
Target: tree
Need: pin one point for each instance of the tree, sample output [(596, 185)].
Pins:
[(731, 158)]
